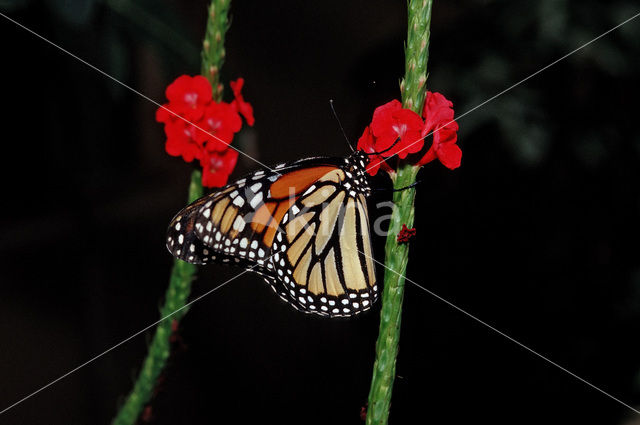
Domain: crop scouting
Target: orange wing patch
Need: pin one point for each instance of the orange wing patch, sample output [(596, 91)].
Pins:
[(262, 217), (286, 191), (298, 181), (283, 207)]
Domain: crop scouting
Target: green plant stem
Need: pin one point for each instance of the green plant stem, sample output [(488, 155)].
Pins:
[(413, 85), (182, 273), (397, 255), (213, 52)]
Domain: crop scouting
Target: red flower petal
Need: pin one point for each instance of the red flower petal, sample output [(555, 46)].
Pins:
[(391, 122), (217, 166), (437, 109), (188, 96), (442, 129), (409, 128), (239, 105), (366, 143), (450, 155), (220, 122), (173, 146), (165, 116), (181, 142), (382, 123), (382, 117)]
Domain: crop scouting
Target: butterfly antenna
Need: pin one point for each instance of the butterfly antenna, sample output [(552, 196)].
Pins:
[(385, 150), (414, 184), (340, 124)]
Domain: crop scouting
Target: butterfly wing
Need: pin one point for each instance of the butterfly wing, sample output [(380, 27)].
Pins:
[(300, 227), (182, 239), (323, 251)]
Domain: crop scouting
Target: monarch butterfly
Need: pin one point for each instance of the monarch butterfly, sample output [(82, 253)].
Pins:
[(304, 227)]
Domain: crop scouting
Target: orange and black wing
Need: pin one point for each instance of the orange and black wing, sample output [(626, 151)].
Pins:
[(302, 227)]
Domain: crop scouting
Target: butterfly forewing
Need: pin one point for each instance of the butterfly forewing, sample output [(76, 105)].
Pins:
[(182, 241), (234, 224)]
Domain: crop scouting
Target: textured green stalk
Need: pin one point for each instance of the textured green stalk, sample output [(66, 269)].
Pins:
[(416, 55), (176, 296), (213, 52), (397, 255), (182, 273)]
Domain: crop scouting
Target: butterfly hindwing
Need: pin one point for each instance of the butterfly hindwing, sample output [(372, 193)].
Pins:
[(323, 253)]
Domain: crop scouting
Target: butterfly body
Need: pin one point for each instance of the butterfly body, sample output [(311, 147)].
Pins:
[(303, 227)]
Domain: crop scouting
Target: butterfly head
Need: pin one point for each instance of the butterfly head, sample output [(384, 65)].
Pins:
[(356, 168)]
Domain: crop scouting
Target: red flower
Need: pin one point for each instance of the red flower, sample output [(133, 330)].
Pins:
[(220, 123), (398, 131), (200, 128), (390, 122), (239, 105), (217, 166), (366, 143), (188, 96), (181, 140), (438, 114), (405, 234)]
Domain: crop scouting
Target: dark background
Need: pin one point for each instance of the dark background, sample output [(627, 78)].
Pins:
[(536, 233)]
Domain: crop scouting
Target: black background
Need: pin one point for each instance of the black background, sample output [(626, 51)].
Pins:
[(536, 234)]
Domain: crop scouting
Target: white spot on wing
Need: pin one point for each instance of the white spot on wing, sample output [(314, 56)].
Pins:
[(256, 200), (238, 224)]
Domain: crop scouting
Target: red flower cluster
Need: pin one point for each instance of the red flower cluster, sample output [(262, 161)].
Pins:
[(197, 127), (402, 132)]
